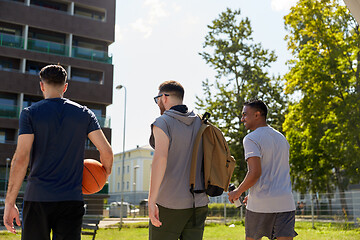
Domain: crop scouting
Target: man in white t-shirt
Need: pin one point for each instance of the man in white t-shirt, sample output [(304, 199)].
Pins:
[(270, 207)]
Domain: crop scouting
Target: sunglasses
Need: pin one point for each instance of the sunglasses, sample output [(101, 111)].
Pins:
[(156, 98)]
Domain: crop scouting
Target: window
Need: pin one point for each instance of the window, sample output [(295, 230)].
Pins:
[(10, 35), (55, 5), (118, 185), (83, 75), (118, 170), (8, 99), (10, 29), (2, 136), (33, 67), (47, 41), (127, 185), (7, 63), (128, 169), (90, 49), (7, 135), (30, 100), (47, 35), (89, 43), (89, 13), (8, 105)]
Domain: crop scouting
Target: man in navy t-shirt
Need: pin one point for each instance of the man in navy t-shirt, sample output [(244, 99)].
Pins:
[(56, 130)]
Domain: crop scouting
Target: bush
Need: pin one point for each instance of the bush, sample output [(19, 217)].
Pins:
[(217, 210)]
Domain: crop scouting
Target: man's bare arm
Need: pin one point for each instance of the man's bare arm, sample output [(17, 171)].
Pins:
[(158, 168), (252, 176), (98, 138), (19, 165)]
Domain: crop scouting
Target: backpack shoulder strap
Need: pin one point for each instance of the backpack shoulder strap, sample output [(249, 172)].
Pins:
[(196, 149)]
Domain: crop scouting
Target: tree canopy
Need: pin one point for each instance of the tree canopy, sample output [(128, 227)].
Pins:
[(323, 126), (242, 73)]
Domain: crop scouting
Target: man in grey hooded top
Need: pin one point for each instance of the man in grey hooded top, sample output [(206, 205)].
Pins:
[(173, 134)]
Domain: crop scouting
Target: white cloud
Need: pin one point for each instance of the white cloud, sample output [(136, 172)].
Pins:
[(157, 10), (141, 26), (282, 5)]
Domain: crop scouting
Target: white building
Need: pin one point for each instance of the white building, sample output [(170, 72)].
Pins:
[(137, 169)]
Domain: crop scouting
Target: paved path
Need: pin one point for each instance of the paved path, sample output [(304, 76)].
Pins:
[(108, 222)]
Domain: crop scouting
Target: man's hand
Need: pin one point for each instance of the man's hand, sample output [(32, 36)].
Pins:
[(154, 215), (234, 195), (252, 176), (245, 200), (11, 212)]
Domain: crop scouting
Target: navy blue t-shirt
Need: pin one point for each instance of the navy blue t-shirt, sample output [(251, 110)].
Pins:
[(60, 128)]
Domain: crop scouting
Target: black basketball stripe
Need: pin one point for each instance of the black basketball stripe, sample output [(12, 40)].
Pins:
[(92, 176), (87, 191)]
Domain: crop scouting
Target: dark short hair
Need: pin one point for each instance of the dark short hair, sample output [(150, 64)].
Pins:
[(53, 74), (258, 105), (173, 88)]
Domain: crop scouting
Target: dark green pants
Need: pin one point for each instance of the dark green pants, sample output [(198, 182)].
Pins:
[(179, 224)]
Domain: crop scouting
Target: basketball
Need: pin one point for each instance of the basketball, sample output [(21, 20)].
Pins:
[(94, 176)]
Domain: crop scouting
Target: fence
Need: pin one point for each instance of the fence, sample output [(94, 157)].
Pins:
[(330, 207)]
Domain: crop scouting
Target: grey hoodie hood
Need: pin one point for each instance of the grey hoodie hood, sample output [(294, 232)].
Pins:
[(187, 118)]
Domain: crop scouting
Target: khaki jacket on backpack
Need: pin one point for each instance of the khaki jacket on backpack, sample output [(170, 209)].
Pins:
[(219, 165)]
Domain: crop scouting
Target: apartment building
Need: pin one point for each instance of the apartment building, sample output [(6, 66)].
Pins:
[(35, 33), (137, 169)]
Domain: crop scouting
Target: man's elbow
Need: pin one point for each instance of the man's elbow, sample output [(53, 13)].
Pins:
[(106, 152), (107, 159), (255, 175), (109, 153), (21, 159)]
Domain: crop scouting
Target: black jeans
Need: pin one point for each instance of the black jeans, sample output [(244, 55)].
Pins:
[(64, 219)]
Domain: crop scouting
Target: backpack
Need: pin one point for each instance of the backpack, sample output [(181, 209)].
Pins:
[(219, 165)]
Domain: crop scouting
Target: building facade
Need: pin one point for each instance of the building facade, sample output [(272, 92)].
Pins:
[(137, 169), (34, 33)]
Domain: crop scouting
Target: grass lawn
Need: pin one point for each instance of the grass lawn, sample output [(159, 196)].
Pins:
[(323, 231)]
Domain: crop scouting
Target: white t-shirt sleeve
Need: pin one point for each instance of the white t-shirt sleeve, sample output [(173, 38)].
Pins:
[(251, 148)]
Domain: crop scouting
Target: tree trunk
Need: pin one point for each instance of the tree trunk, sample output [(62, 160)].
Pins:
[(317, 205), (330, 205), (342, 192)]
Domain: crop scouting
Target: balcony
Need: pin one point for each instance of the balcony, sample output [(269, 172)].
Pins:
[(14, 41), (48, 47), (104, 121), (9, 111), (90, 54)]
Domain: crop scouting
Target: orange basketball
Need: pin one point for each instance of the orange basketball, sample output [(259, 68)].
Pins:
[(94, 176)]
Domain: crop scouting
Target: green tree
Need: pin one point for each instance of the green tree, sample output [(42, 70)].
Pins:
[(323, 127), (241, 67)]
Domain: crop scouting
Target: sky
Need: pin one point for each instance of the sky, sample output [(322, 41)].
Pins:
[(160, 40)]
